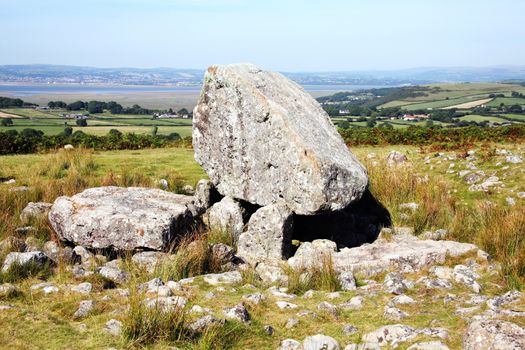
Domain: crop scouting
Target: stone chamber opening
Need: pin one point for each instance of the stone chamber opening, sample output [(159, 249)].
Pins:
[(353, 226)]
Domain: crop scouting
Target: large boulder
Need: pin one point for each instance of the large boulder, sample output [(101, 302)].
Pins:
[(269, 235), (262, 139), (122, 218)]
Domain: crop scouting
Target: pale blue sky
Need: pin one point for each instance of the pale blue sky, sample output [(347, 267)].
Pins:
[(287, 35)]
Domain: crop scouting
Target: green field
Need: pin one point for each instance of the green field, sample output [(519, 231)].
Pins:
[(507, 101), (452, 94), (52, 123), (482, 118)]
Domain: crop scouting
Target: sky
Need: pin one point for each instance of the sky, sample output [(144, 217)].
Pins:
[(285, 35)]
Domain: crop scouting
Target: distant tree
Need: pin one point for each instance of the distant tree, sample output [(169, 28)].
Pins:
[(96, 107), (6, 102), (170, 111), (182, 111), (81, 122), (114, 107), (68, 131), (386, 125), (371, 123), (76, 106), (429, 123), (515, 109), (344, 125), (154, 130), (32, 133), (115, 132), (174, 136), (56, 104), (6, 122)]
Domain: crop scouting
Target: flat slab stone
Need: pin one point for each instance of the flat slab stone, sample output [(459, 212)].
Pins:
[(404, 254), (122, 218)]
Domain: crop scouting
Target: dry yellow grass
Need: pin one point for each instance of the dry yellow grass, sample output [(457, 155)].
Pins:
[(469, 105)]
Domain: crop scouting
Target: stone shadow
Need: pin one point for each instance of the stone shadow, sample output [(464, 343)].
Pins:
[(353, 226)]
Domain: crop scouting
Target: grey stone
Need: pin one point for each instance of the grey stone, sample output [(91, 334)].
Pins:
[(7, 289), (83, 288), (227, 216), (269, 329), (12, 244), (271, 273), (291, 323), (353, 304), (230, 277), (349, 329), (269, 235), (166, 304), (37, 257), (114, 274), (507, 298), (395, 283), (463, 274), (396, 158), (283, 305), (34, 210), (327, 307), (222, 253), (320, 342), (255, 298), (85, 307), (204, 195), (240, 109), (394, 314), (437, 235), (289, 344), (148, 260), (238, 312), (347, 281), (204, 323), (122, 218), (429, 345), (514, 159), (113, 327), (494, 335)]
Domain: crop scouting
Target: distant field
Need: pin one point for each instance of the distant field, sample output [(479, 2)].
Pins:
[(481, 118), (507, 101), (51, 123), (472, 104)]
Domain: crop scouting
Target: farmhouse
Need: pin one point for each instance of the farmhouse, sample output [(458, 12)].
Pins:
[(414, 117), (76, 116)]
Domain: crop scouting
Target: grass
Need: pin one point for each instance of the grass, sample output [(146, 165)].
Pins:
[(322, 277), (45, 321), (18, 272), (143, 325)]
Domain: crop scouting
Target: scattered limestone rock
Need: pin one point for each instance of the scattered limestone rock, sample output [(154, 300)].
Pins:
[(285, 305), (395, 283), (269, 235), (231, 143), (166, 304), (394, 314), (204, 323), (291, 323), (114, 274), (327, 307), (514, 159), (347, 281), (437, 235), (34, 210), (85, 307), (148, 260), (494, 334), (463, 274), (7, 289), (36, 257), (289, 344), (255, 298), (230, 277), (396, 158), (271, 273), (320, 342), (45, 287), (84, 288), (353, 304), (429, 345), (349, 329), (122, 218), (113, 327), (238, 312)]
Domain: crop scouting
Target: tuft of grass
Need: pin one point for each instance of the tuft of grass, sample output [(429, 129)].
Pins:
[(18, 272), (143, 325), (500, 232), (222, 236), (221, 337), (321, 277)]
